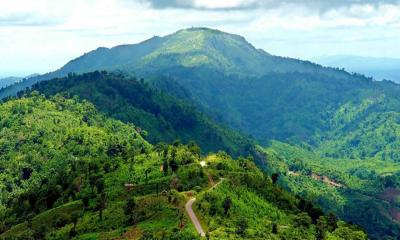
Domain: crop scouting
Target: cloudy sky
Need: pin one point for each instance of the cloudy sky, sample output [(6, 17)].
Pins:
[(42, 35)]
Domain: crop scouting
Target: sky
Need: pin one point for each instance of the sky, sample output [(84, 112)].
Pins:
[(42, 35)]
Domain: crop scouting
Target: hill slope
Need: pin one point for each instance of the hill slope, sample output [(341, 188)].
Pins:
[(69, 172), (360, 191), (164, 117)]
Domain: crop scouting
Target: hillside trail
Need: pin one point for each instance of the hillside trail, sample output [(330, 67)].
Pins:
[(192, 215)]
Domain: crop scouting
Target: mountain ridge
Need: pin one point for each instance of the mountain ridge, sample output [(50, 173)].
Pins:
[(239, 58)]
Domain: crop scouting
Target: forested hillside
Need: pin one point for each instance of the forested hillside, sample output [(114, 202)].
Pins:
[(70, 172), (161, 116), (361, 191), (284, 106)]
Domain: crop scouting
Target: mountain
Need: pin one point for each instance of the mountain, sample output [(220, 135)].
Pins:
[(378, 68), (258, 88), (204, 61), (70, 172), (328, 115), (4, 82), (188, 48)]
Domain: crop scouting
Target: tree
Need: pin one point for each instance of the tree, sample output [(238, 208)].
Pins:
[(100, 185), (194, 148), (160, 147), (303, 220), (227, 204), (345, 232), (101, 205), (213, 210), (242, 225), (176, 143), (85, 201), (181, 217), (130, 206), (174, 165), (332, 220), (175, 183), (92, 181), (165, 167), (40, 232), (315, 213), (274, 177), (322, 227), (3, 227), (274, 228), (74, 219), (26, 173), (146, 174)]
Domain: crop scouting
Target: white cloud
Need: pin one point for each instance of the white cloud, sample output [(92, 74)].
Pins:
[(343, 17), (215, 4)]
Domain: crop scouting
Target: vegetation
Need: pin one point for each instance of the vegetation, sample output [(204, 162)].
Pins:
[(162, 117), (71, 176), (70, 172), (246, 204), (360, 191)]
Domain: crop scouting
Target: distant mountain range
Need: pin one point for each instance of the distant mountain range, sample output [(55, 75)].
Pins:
[(4, 82), (378, 68), (7, 81)]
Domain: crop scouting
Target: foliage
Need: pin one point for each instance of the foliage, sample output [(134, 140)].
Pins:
[(258, 209), (70, 172), (164, 117), (363, 183)]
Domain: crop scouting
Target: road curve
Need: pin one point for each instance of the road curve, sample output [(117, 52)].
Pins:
[(193, 217), (191, 213)]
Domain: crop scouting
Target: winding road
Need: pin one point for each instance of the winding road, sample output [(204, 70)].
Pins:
[(192, 215)]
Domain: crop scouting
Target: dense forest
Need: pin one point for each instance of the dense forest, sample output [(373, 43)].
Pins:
[(68, 171), (161, 116), (361, 191)]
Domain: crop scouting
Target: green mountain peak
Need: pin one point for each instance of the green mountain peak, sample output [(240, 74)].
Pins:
[(205, 48), (192, 47), (209, 46)]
